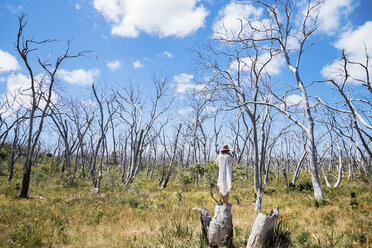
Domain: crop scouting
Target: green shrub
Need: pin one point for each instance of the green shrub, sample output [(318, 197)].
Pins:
[(281, 236), (320, 203), (305, 186), (302, 238), (12, 191), (178, 232), (239, 173), (186, 177), (133, 200), (358, 237)]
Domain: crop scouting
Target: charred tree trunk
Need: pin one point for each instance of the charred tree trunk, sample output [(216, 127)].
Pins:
[(12, 154)]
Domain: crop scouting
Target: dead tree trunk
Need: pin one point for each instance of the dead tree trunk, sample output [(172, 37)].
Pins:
[(166, 179), (262, 229), (12, 154), (340, 166), (298, 168), (219, 231)]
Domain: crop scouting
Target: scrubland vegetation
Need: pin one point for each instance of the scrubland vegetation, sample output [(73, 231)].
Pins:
[(66, 213), (127, 165)]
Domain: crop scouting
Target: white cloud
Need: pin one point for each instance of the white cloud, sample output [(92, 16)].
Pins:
[(88, 103), (160, 17), (333, 14), (167, 54), (18, 93), (183, 78), (77, 6), (80, 76), (293, 100), (352, 42), (184, 84), (16, 82), (137, 64), (184, 111), (114, 65), (274, 67), (8, 62), (233, 16), (14, 10), (210, 109)]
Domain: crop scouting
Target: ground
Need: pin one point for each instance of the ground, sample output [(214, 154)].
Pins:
[(61, 213)]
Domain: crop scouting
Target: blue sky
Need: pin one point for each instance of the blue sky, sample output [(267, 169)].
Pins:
[(135, 39)]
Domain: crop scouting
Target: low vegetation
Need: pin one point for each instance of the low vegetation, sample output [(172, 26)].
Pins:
[(61, 213)]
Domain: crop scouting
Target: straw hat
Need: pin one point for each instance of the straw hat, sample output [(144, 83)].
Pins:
[(225, 148)]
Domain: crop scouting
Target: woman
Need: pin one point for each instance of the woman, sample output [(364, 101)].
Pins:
[(224, 161)]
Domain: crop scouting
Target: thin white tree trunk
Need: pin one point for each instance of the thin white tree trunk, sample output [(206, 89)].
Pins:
[(340, 166)]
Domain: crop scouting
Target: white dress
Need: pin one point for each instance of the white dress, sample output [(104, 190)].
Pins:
[(224, 162)]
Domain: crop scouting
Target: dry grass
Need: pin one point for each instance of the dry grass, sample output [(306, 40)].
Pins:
[(147, 216)]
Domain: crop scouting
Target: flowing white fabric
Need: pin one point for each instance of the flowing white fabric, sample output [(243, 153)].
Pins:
[(224, 162)]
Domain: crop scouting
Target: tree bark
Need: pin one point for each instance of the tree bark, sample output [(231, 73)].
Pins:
[(262, 229), (220, 231)]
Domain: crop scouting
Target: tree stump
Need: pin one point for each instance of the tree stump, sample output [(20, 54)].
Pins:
[(220, 230), (262, 229)]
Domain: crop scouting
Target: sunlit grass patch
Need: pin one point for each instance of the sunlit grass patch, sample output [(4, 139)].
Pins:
[(72, 215)]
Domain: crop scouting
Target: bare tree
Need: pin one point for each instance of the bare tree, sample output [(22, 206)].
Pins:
[(361, 120), (274, 36), (41, 92)]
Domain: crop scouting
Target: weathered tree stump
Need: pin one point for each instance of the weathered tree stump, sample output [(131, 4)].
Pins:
[(262, 229), (219, 231)]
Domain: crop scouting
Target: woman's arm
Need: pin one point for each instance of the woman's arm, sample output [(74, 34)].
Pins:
[(233, 161)]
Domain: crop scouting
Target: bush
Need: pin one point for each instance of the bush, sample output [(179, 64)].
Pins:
[(133, 201), (12, 192), (5, 151), (179, 232), (359, 237), (302, 239), (281, 237), (186, 177), (305, 186), (320, 203)]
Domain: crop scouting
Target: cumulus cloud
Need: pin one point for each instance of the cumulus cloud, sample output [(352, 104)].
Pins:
[(80, 76), (274, 67), (167, 54), (88, 103), (161, 17), (333, 13), (184, 84), (353, 42), (13, 9), (114, 65), (184, 111), (233, 16), (77, 6), (210, 109), (8, 62), (293, 100), (18, 93), (137, 64)]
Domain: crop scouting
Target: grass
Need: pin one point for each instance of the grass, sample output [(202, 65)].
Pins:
[(147, 216)]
